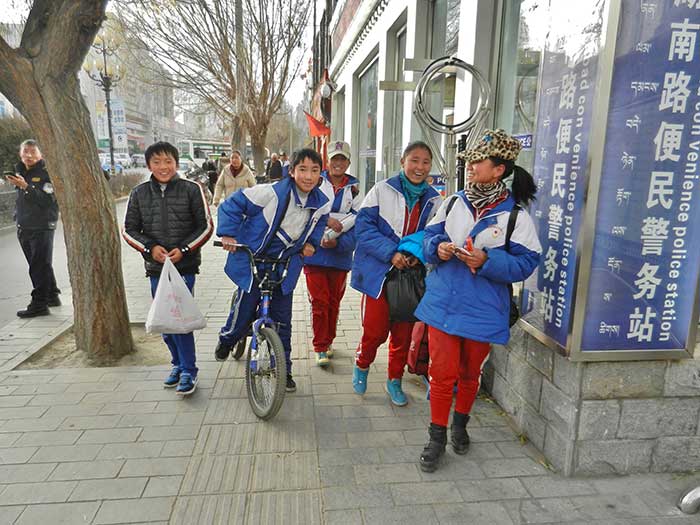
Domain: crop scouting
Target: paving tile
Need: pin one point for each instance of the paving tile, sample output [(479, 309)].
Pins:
[(134, 511), (10, 456), (99, 386), (112, 435), (284, 507), (89, 422), (62, 411), (150, 449), (163, 486), (356, 496), (43, 492), (505, 468), (287, 471), (454, 467), (484, 513), (209, 510), (10, 514), (337, 425), (78, 470), (145, 420), (397, 473), (217, 474), (612, 506), (375, 439), (7, 439), (146, 407), (101, 489), (367, 411), (64, 398), (337, 475), (14, 401), (25, 473), (425, 493), (58, 514), (285, 436), (226, 439), (342, 517), (400, 515), (57, 437), (177, 448), (154, 467), (174, 432), (491, 489), (402, 454), (551, 486), (350, 456), (66, 453), (550, 510)]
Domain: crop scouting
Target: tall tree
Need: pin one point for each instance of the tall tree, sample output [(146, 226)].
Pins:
[(241, 65), (39, 78)]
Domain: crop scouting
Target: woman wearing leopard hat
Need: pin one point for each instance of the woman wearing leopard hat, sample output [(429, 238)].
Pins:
[(467, 299)]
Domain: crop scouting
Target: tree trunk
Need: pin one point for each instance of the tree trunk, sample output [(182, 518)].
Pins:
[(237, 135), (60, 119), (257, 142)]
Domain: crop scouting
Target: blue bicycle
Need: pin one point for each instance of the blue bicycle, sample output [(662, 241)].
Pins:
[(266, 368)]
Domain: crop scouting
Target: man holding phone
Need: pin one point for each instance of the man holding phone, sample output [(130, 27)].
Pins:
[(36, 214)]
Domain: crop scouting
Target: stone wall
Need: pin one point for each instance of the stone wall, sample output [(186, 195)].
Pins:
[(7, 207), (599, 418)]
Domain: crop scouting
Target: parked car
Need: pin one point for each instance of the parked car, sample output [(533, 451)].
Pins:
[(118, 168)]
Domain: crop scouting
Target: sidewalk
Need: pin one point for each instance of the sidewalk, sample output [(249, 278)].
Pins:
[(110, 445)]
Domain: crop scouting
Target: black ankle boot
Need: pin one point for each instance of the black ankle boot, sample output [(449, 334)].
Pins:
[(435, 448), (459, 435)]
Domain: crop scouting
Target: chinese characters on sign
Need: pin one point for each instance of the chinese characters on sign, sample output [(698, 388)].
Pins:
[(645, 254), (564, 124)]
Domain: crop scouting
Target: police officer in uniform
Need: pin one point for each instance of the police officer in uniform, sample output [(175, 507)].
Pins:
[(36, 214)]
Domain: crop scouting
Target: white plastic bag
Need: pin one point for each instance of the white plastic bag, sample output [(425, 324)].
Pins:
[(173, 310)]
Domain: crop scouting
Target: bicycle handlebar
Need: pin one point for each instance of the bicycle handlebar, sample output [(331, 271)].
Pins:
[(252, 260)]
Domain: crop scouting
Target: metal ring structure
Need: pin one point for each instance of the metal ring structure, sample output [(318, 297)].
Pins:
[(436, 125)]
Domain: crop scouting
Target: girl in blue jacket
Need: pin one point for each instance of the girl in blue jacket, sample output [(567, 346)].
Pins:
[(326, 270), (394, 208), (280, 220), (467, 298)]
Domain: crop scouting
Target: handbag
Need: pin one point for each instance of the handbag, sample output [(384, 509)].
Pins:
[(404, 290), (173, 310)]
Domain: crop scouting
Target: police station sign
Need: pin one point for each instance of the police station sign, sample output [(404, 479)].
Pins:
[(618, 210), (646, 251)]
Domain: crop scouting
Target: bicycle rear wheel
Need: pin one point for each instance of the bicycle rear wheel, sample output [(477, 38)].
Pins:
[(266, 381), (239, 349)]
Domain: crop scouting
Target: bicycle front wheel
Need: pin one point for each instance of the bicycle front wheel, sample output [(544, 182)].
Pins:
[(266, 378)]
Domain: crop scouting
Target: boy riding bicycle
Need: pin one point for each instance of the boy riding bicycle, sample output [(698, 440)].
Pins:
[(281, 220)]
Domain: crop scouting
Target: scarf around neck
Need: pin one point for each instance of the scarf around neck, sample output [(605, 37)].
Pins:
[(235, 172), (480, 195), (411, 192)]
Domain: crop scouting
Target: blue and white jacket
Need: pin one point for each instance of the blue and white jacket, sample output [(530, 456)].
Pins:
[(345, 205), (476, 306), (379, 227), (250, 216)]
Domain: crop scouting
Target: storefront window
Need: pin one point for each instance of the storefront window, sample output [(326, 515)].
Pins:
[(395, 139), (524, 32), (367, 126), (338, 120)]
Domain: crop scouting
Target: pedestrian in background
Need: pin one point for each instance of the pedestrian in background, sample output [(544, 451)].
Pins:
[(168, 216), (36, 215), (273, 171), (235, 176), (393, 209), (326, 270), (467, 299)]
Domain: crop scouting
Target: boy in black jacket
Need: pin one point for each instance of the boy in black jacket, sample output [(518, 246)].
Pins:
[(168, 216)]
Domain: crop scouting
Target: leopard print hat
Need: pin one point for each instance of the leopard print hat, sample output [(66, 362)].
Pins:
[(494, 143)]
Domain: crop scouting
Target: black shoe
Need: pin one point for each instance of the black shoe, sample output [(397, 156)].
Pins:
[(458, 435), (435, 448), (291, 385), (54, 301), (33, 310), (222, 351)]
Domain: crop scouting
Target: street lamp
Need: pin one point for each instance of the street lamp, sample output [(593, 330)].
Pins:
[(106, 78)]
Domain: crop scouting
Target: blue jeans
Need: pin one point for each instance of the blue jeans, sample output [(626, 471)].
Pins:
[(181, 346), (244, 306)]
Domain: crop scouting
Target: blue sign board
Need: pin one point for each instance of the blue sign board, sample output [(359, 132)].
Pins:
[(568, 76), (645, 259)]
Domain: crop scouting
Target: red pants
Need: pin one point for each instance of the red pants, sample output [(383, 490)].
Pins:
[(453, 358), (376, 327), (326, 289)]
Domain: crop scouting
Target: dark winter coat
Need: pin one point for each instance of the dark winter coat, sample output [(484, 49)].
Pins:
[(36, 207), (175, 218)]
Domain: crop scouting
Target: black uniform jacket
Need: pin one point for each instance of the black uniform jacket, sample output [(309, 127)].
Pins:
[(36, 207), (175, 218)]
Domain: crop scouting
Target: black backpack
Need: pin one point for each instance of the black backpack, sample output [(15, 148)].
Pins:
[(514, 311)]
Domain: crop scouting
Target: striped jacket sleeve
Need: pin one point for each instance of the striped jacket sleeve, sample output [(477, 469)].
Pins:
[(203, 225), (133, 226)]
